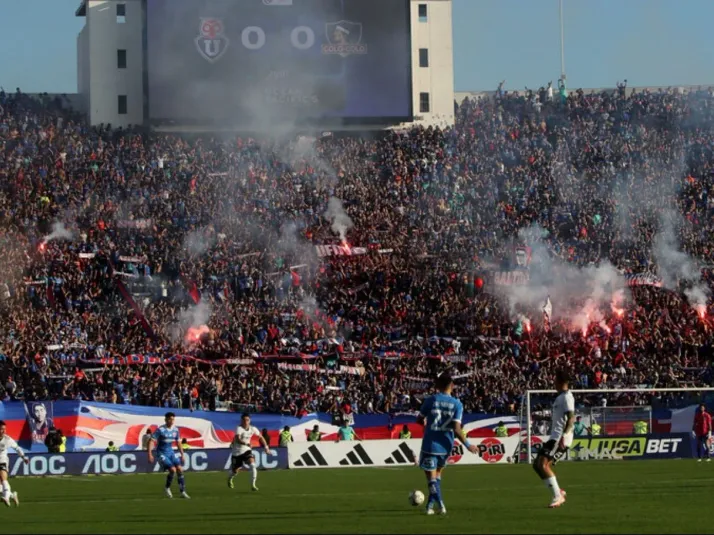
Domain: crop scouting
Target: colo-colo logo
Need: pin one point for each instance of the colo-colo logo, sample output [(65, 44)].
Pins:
[(124, 463), (617, 448)]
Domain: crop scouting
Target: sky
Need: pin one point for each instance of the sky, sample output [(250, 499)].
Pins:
[(649, 42)]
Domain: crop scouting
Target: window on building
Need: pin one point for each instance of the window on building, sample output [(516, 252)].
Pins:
[(424, 102), (121, 104), (121, 13), (121, 59), (422, 13), (423, 57)]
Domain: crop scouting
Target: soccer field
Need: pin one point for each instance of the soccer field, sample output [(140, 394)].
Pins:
[(603, 497)]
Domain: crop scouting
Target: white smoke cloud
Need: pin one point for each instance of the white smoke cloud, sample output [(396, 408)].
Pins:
[(674, 265), (192, 322), (197, 242), (338, 218), (578, 295), (59, 232)]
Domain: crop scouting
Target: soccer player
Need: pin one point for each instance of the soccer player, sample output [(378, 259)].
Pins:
[(242, 455), (702, 430), (6, 442), (441, 415), (561, 437), (164, 438)]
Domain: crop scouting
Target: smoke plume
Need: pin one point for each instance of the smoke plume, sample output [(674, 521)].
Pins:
[(338, 218), (59, 232)]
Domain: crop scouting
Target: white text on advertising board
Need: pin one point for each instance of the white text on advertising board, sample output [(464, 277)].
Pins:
[(39, 466)]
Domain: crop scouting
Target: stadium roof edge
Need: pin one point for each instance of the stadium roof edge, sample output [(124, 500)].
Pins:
[(82, 9)]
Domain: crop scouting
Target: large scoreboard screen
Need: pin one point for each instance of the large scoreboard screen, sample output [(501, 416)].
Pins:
[(245, 60)]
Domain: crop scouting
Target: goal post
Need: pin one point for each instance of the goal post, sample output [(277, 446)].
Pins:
[(615, 412)]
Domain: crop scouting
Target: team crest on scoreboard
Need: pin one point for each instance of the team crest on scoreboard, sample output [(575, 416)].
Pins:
[(344, 38), (211, 42)]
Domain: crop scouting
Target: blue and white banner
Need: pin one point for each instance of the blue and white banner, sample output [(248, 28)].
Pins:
[(75, 464)]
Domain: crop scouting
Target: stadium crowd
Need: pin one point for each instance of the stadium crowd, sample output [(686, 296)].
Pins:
[(189, 271)]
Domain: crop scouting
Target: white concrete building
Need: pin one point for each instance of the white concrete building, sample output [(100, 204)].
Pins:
[(432, 62), (110, 61)]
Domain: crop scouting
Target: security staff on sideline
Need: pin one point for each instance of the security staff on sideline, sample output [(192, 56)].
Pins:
[(285, 437), (501, 430), (640, 428), (314, 435)]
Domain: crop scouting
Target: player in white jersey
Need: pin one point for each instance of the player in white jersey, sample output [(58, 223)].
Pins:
[(242, 455), (561, 437), (7, 443)]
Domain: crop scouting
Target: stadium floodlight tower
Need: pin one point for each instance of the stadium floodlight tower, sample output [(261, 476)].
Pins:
[(562, 42)]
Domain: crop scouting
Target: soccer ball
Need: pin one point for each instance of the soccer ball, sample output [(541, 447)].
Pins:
[(416, 498)]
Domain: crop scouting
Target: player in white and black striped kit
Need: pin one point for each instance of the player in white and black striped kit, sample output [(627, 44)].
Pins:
[(561, 437), (7, 443), (242, 455)]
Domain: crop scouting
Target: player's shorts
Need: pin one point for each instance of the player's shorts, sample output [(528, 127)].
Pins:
[(169, 461), (432, 461), (552, 451), (239, 461), (3, 467)]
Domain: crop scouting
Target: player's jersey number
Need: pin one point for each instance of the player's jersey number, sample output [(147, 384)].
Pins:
[(442, 421)]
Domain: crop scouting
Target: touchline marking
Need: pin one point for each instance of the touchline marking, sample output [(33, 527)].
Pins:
[(608, 485)]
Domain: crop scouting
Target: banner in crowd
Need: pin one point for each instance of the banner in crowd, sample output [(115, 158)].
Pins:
[(341, 370), (135, 359), (75, 464), (643, 279), (137, 224), (328, 250), (91, 426), (510, 278), (652, 446), (39, 419), (491, 450)]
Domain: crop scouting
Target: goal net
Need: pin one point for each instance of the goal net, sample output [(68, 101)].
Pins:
[(610, 423)]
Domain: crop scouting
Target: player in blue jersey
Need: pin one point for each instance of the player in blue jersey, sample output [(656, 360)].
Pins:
[(441, 416), (164, 438)]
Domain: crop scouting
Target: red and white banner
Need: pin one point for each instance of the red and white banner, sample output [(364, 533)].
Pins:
[(324, 251), (342, 370)]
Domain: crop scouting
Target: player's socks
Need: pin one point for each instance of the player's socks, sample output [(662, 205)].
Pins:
[(230, 480), (253, 476), (182, 483), (6, 491), (433, 494), (439, 499), (552, 484), (169, 480), (5, 494)]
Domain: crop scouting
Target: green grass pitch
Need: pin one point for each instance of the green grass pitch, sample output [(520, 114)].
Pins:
[(603, 497)]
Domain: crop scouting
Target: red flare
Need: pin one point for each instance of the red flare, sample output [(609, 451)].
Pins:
[(194, 334), (701, 311)]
